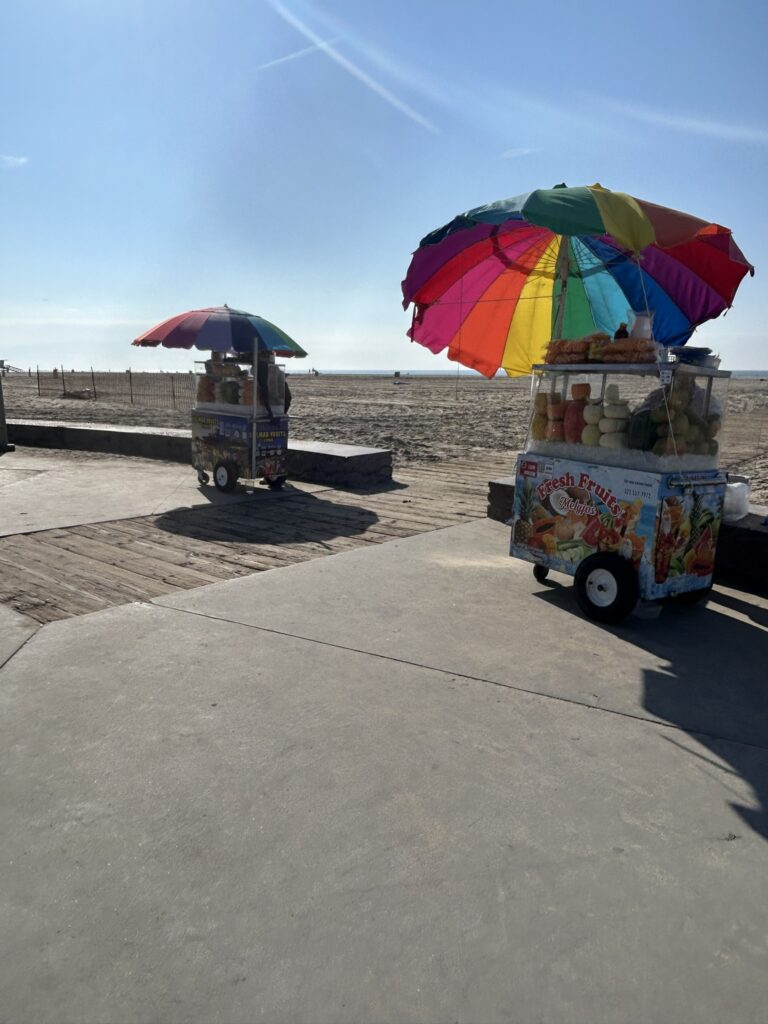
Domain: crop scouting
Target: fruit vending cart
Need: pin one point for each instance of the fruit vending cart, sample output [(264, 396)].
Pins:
[(239, 420), (619, 484), (239, 426)]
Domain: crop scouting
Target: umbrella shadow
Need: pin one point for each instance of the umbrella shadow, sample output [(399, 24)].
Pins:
[(713, 685), (272, 518)]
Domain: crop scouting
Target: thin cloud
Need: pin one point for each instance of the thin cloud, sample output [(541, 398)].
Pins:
[(11, 162), (414, 81), (512, 154), (67, 321), (352, 69), (315, 48), (692, 125)]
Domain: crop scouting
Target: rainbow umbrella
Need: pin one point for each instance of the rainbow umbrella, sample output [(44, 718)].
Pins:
[(498, 282), (221, 329)]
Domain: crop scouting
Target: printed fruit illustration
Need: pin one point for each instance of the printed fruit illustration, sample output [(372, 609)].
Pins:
[(545, 526), (564, 528), (524, 524), (700, 560), (700, 519), (578, 493), (549, 543)]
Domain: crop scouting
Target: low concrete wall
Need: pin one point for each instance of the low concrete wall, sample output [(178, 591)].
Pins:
[(345, 465), (341, 465), (742, 547), (170, 446)]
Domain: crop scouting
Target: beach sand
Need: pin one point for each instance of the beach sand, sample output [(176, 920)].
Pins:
[(422, 419)]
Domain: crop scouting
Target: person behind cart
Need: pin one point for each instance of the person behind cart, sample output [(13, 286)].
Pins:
[(264, 361)]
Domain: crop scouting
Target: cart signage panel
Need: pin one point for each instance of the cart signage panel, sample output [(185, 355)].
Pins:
[(271, 435), (666, 527)]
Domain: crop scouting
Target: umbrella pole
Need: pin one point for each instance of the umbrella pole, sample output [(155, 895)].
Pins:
[(642, 282), (253, 409), (562, 269)]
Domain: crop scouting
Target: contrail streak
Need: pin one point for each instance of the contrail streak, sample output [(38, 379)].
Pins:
[(315, 48), (353, 69)]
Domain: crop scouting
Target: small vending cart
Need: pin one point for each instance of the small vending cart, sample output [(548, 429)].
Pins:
[(239, 426), (619, 484), (239, 420)]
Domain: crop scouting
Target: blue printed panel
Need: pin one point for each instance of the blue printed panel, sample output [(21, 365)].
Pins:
[(665, 524), (566, 510)]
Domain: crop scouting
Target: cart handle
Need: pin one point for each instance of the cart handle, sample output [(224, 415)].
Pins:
[(699, 485)]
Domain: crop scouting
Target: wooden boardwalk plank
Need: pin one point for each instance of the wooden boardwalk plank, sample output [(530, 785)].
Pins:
[(56, 574)]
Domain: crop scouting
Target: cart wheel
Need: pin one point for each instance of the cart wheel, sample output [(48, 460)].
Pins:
[(690, 597), (606, 587), (276, 484), (202, 477), (225, 476), (540, 573)]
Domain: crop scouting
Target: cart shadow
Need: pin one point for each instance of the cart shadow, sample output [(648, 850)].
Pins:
[(713, 686), (273, 519)]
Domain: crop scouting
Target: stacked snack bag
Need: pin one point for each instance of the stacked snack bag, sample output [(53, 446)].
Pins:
[(600, 348)]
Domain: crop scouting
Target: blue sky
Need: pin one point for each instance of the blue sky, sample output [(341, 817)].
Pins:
[(286, 157)]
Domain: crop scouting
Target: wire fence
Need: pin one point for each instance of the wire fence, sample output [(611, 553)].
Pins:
[(744, 445), (158, 390)]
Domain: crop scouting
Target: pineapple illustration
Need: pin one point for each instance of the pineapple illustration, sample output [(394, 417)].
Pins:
[(524, 524), (700, 518), (695, 519)]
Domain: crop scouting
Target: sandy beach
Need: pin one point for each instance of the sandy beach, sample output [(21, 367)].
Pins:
[(423, 419)]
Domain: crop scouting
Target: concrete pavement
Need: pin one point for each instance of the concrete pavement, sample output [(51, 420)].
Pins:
[(43, 491), (405, 783)]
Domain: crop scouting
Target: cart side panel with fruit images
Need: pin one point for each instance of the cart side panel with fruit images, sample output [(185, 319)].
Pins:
[(687, 528), (566, 510)]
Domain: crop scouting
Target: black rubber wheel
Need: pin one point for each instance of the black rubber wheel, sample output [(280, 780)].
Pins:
[(202, 477), (540, 573), (606, 587), (276, 484), (691, 597), (225, 476)]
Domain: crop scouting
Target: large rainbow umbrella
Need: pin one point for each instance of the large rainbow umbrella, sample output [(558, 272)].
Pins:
[(498, 282), (220, 329)]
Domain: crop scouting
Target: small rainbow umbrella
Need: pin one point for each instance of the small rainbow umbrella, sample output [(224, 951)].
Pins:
[(498, 282), (221, 329)]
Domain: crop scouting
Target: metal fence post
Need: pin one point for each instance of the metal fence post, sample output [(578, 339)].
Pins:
[(4, 446), (63, 379), (93, 384), (173, 389), (130, 385), (38, 381)]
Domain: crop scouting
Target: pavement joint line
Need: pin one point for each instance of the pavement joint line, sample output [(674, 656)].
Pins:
[(464, 675), (21, 646)]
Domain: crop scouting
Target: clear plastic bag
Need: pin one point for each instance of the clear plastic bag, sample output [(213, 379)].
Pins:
[(736, 502)]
